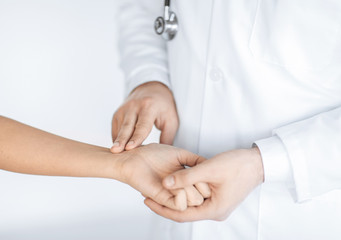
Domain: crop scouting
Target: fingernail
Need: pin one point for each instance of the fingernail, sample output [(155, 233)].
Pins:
[(130, 143), (170, 181), (116, 144)]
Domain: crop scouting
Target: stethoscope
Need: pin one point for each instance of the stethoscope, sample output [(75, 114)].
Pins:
[(167, 26)]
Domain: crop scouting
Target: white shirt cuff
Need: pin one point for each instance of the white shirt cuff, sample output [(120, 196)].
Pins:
[(276, 162)]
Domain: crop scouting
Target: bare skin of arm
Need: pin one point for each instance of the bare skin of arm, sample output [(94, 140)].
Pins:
[(25, 149)]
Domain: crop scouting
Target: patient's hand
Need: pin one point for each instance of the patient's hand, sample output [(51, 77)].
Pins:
[(144, 168)]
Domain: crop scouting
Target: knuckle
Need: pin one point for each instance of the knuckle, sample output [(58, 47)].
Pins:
[(138, 104), (129, 122), (121, 109), (143, 127), (196, 201), (147, 102), (206, 194), (126, 124), (116, 116), (131, 103)]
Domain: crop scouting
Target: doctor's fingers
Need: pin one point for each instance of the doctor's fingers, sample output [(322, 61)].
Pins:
[(144, 125), (168, 128), (116, 123), (194, 197), (125, 130), (205, 211), (204, 189)]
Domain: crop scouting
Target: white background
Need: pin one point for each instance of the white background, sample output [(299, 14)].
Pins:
[(59, 72)]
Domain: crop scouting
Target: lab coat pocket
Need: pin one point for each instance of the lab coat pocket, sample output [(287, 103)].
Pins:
[(296, 34)]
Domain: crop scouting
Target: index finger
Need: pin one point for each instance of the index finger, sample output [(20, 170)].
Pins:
[(125, 132), (144, 125)]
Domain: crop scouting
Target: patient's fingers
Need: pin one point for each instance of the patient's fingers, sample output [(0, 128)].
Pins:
[(194, 198), (203, 189), (180, 199), (125, 132), (175, 199)]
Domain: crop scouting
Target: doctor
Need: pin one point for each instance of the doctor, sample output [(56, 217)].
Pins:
[(239, 73)]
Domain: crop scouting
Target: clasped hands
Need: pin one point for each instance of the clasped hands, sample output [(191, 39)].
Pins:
[(207, 189)]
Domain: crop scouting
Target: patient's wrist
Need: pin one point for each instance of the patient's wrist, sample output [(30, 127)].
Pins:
[(115, 166)]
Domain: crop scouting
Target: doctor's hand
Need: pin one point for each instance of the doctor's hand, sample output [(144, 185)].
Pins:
[(144, 168), (231, 176), (149, 104)]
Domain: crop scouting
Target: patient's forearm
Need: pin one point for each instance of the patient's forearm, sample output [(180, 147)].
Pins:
[(25, 149)]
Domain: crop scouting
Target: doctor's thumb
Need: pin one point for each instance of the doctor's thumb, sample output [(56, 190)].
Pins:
[(183, 178), (167, 136), (168, 131)]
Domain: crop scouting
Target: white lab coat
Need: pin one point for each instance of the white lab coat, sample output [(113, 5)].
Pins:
[(243, 72)]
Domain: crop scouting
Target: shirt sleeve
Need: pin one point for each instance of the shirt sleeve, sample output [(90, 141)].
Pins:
[(143, 53), (308, 153)]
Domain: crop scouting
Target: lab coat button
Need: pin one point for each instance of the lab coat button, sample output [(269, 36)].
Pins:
[(216, 74)]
